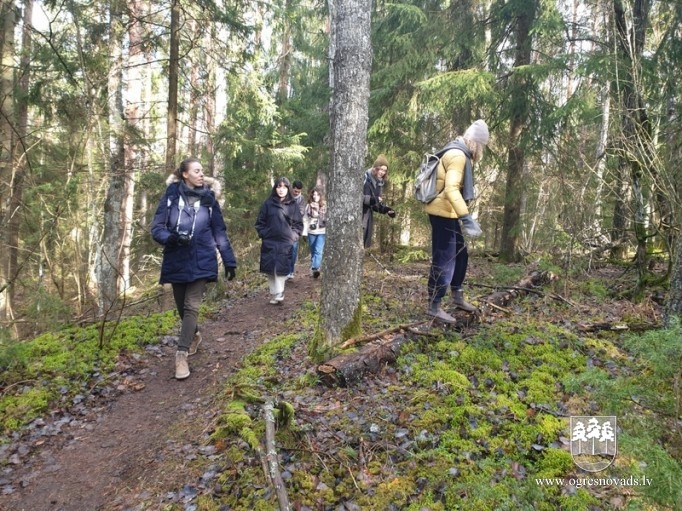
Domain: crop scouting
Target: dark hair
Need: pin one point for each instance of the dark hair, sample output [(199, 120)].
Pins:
[(279, 181), (184, 166), (297, 184), (317, 189)]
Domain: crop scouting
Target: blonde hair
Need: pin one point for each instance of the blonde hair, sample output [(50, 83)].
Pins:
[(475, 148)]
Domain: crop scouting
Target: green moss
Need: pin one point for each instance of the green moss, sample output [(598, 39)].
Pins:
[(354, 326), (396, 491), (323, 347), (539, 388), (430, 420), (66, 359), (475, 358), (442, 373), (15, 410), (236, 418), (234, 455), (554, 463)]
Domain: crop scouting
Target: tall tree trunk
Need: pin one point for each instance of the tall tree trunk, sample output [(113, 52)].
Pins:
[(131, 147), (196, 91), (15, 210), (516, 156), (173, 65), (109, 262), (620, 217), (673, 307), (340, 311), (209, 103), (285, 57), (7, 141), (636, 128), (147, 126)]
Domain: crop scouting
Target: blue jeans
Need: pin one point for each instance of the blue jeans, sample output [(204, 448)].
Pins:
[(294, 256), (449, 257), (316, 243)]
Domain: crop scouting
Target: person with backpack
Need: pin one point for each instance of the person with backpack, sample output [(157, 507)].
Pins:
[(372, 197), (449, 217), (189, 224), (279, 225)]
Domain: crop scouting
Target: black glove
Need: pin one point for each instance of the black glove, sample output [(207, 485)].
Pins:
[(230, 272), (391, 213), (172, 240)]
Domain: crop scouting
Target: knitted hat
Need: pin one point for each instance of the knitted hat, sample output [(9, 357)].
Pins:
[(381, 161), (478, 132)]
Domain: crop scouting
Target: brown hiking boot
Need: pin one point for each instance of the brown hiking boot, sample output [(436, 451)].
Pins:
[(459, 301), (181, 365), (196, 341), (441, 315)]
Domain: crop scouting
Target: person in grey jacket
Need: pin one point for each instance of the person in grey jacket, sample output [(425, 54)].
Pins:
[(189, 224)]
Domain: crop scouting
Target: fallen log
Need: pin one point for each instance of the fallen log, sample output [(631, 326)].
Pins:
[(348, 368), (615, 327), (522, 288)]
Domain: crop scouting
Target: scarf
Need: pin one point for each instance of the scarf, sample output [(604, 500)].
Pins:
[(192, 195), (468, 192)]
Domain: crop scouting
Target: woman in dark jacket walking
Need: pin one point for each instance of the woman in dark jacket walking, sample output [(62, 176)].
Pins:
[(279, 225), (189, 224)]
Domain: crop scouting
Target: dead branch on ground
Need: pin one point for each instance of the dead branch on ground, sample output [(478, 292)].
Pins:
[(370, 337), (274, 474)]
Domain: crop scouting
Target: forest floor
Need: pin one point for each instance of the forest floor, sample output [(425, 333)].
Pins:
[(150, 447), (108, 456)]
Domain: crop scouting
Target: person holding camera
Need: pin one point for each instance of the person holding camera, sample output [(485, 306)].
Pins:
[(372, 201), (279, 225), (189, 224), (315, 222)]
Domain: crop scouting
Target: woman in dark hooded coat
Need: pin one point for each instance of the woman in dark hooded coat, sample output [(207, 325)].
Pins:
[(189, 224), (279, 225)]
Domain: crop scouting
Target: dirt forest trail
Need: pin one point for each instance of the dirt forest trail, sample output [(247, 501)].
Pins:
[(135, 447)]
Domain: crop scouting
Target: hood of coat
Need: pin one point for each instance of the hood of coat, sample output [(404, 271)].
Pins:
[(209, 182)]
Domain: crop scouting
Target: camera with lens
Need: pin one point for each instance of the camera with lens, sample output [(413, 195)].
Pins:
[(313, 226), (184, 238)]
